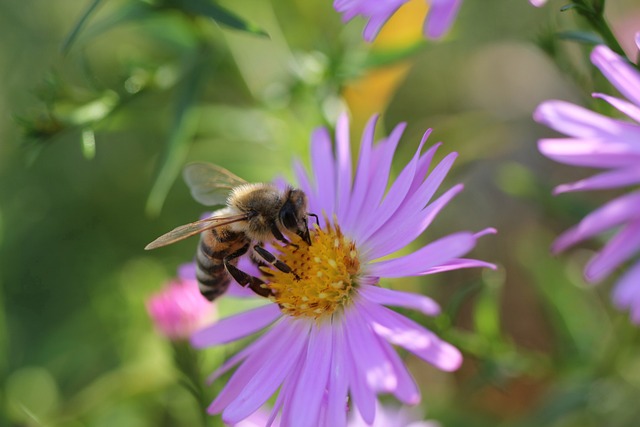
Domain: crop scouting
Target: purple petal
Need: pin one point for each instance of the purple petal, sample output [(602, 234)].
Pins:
[(363, 397), (578, 122), (373, 364), (457, 264), (612, 179), (305, 185), (423, 343), (440, 17), (623, 106), (382, 157), (627, 293), (341, 5), (392, 200), (612, 214), (286, 393), (255, 347), (407, 390), (377, 21), (338, 380), (410, 300), (362, 179), (276, 339), (390, 239), (235, 327), (344, 166), (485, 232), (273, 369), (373, 26), (419, 197), (304, 182), (592, 153), (280, 182), (187, 271), (401, 228), (428, 188), (237, 291), (618, 250), (312, 381), (618, 71), (323, 170), (424, 163), (277, 406), (435, 253)]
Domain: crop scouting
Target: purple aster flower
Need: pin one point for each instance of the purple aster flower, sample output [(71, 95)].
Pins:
[(179, 309), (328, 334), (612, 145), (377, 12)]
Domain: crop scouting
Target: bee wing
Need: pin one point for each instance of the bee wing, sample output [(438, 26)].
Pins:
[(210, 184), (188, 230)]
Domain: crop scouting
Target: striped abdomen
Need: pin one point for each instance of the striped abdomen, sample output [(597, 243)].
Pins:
[(215, 245)]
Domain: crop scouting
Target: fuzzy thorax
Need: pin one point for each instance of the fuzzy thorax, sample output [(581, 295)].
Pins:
[(325, 275)]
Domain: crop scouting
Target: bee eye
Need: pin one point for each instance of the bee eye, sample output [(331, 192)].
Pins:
[(289, 219)]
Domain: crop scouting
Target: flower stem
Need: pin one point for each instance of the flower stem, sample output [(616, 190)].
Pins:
[(187, 361), (593, 12)]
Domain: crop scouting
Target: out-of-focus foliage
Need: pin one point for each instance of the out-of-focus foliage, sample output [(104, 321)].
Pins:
[(98, 115)]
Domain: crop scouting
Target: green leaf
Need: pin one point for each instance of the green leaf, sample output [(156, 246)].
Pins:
[(71, 37), (584, 37), (184, 127), (92, 111), (42, 128), (569, 7), (221, 15), (572, 308), (130, 12), (598, 6), (487, 308), (88, 144)]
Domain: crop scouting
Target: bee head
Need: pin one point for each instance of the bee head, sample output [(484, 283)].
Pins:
[(293, 214)]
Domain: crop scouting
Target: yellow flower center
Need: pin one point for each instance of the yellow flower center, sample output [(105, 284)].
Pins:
[(323, 277)]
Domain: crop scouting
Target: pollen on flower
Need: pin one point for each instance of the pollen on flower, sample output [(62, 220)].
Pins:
[(325, 275)]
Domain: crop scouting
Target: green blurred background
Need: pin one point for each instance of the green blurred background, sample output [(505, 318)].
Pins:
[(95, 129)]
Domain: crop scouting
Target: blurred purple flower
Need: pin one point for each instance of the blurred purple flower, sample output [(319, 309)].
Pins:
[(386, 416), (613, 145), (179, 309), (439, 18), (389, 416), (538, 3), (329, 333)]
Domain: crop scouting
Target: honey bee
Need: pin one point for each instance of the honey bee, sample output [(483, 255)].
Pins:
[(255, 214)]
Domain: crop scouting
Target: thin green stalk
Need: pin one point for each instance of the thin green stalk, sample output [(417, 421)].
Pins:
[(600, 25), (187, 360), (71, 37), (594, 14)]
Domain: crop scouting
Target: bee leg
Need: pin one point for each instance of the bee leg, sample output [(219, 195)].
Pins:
[(244, 279), (271, 259), (316, 217), (260, 263), (278, 235)]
